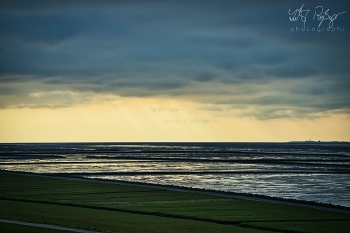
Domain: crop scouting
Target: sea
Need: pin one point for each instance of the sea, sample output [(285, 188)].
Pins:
[(306, 171)]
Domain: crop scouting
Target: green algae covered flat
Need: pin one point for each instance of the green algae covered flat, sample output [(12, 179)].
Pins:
[(124, 208)]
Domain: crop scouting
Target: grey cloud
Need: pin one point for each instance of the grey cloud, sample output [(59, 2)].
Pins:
[(47, 29), (204, 77), (224, 52)]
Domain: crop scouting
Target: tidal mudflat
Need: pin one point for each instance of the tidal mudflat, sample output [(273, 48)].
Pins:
[(107, 206), (306, 171)]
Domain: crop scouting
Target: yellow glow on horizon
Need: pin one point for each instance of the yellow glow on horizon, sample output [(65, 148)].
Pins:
[(152, 119)]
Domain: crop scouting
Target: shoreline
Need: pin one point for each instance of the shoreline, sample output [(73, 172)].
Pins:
[(244, 196)]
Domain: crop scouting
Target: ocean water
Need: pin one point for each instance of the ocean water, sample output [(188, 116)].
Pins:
[(311, 171)]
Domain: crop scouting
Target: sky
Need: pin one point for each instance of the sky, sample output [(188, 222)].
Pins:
[(194, 70)]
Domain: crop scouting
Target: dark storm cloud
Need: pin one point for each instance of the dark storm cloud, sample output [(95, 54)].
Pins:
[(223, 52)]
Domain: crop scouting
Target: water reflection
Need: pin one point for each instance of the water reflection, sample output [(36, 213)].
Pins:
[(154, 166)]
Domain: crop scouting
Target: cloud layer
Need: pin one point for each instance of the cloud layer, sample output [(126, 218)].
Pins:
[(242, 56)]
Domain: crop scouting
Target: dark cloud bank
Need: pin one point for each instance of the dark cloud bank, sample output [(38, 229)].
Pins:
[(228, 53)]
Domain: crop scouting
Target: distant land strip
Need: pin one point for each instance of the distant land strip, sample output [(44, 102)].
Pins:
[(64, 151)]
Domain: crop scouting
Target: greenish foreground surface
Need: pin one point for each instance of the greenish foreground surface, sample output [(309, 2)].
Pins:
[(120, 208)]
